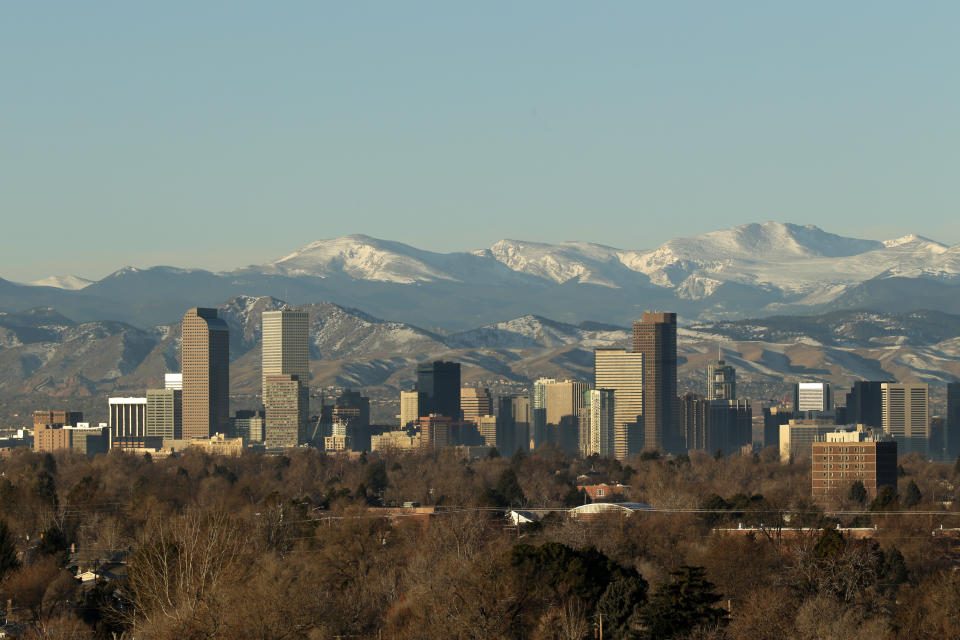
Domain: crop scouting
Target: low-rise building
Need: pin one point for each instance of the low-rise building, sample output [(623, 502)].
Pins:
[(843, 458)]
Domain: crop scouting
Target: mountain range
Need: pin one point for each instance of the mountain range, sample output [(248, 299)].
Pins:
[(47, 358), (754, 270)]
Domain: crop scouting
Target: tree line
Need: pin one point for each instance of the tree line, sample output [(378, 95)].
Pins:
[(297, 546)]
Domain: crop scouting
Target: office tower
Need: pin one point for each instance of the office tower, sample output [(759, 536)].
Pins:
[(773, 417), (812, 396), (583, 427), (730, 425), (655, 336), (936, 445), (57, 418), (285, 347), (797, 437), (602, 403), (127, 417), (435, 431), (173, 381), (487, 426), (513, 424), (409, 407), (863, 404), (284, 399), (562, 404), (847, 456), (721, 381), (538, 406), (249, 425), (164, 413), (694, 416), (623, 372), (474, 403), (439, 386), (205, 363), (905, 415), (952, 436), (353, 409)]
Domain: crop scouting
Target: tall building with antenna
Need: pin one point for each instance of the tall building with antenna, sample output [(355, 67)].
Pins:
[(721, 379)]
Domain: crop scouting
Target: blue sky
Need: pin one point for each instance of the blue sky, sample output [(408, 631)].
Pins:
[(218, 134)]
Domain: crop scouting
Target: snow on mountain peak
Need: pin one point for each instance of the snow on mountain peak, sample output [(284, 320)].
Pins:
[(361, 257), (70, 283), (913, 239)]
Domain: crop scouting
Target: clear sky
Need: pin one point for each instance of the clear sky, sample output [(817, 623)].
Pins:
[(218, 134)]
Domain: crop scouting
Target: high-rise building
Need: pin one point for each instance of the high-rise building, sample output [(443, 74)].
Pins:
[(353, 409), (57, 418), (773, 418), (694, 416), (562, 404), (164, 413), (285, 346), (249, 425), (409, 407), (538, 407), (812, 397), (439, 386), (475, 402), (797, 437), (623, 373), (864, 404), (436, 432), (284, 399), (173, 381), (602, 403), (513, 424), (487, 425), (205, 363), (655, 336), (721, 381), (730, 425), (953, 421), (905, 414), (128, 417)]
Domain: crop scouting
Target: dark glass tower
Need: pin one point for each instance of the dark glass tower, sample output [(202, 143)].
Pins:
[(864, 404), (439, 384), (655, 336), (953, 421)]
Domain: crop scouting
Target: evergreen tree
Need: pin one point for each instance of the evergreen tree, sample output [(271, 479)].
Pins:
[(886, 497), (620, 606), (912, 495), (858, 493), (8, 551), (683, 604)]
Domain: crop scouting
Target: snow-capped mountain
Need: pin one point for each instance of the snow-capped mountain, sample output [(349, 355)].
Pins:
[(747, 271), (70, 283), (800, 262)]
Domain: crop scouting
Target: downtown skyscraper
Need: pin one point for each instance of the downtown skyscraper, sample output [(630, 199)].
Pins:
[(655, 336), (622, 373), (285, 373), (205, 363)]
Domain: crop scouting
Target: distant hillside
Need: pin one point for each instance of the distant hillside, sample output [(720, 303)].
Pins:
[(46, 355)]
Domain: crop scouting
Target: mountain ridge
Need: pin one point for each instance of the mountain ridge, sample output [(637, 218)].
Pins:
[(746, 271)]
